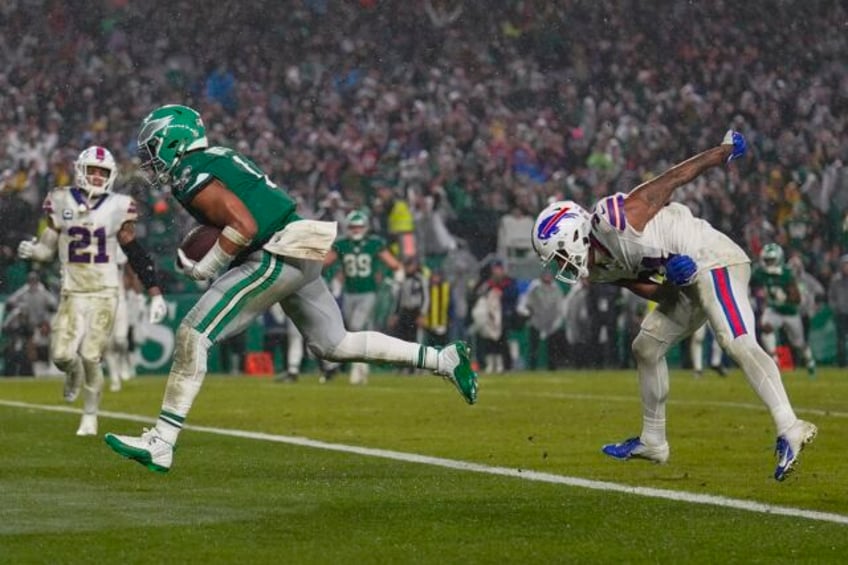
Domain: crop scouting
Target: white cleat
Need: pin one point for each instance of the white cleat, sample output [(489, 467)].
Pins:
[(789, 446), (88, 425), (115, 385), (150, 449)]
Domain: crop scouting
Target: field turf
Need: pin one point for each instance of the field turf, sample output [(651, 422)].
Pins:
[(402, 471)]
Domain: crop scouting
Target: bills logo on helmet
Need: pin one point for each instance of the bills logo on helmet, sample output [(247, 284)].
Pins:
[(550, 225)]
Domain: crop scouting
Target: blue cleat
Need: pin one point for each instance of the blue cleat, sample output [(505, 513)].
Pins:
[(789, 446), (633, 448)]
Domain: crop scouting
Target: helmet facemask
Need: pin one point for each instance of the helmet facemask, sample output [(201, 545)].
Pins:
[(568, 267)]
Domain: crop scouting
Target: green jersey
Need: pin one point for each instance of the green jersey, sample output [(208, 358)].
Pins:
[(271, 207), (359, 260), (777, 289)]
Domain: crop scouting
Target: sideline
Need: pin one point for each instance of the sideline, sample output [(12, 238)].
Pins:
[(678, 496)]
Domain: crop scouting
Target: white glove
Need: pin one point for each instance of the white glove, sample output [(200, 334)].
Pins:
[(208, 267), (158, 309), (26, 248), (189, 268)]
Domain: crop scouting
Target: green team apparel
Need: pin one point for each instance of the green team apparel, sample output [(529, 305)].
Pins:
[(270, 206), (777, 287), (360, 261)]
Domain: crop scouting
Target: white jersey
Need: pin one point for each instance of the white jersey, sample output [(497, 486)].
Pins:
[(641, 255), (88, 243)]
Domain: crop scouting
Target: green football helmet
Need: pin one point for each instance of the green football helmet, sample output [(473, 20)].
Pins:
[(166, 134), (771, 258), (356, 223)]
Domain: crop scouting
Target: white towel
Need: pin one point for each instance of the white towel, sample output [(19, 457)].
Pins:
[(303, 239)]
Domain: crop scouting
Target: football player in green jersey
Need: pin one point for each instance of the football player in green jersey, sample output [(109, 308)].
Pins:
[(265, 254), (360, 254), (774, 284)]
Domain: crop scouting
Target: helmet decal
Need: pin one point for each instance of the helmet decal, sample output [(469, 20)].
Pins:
[(550, 225), (152, 127)]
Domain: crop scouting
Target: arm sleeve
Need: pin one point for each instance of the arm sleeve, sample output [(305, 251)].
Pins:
[(141, 262)]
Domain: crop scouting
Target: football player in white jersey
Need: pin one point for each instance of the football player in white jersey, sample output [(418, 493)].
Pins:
[(117, 353), (631, 240), (86, 223)]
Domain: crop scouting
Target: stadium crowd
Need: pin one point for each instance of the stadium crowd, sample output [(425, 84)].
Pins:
[(472, 113)]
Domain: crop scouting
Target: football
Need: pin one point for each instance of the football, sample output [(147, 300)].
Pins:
[(199, 241)]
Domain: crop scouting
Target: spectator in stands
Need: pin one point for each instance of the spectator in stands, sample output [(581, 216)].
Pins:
[(541, 304), (513, 241), (497, 291), (439, 310), (492, 103), (35, 300)]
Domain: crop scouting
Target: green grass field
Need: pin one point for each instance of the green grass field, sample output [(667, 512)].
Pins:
[(264, 499)]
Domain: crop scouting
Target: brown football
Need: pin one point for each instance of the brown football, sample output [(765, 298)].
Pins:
[(199, 241)]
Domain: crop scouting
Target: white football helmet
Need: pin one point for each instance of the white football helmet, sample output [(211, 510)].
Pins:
[(356, 224), (95, 156), (772, 258), (561, 235)]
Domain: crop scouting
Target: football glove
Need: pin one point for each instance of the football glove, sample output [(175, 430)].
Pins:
[(26, 248), (737, 140), (158, 308), (681, 270)]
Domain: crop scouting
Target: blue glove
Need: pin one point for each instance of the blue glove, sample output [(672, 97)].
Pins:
[(681, 270), (737, 140)]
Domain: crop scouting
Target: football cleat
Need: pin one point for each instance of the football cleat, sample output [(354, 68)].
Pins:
[(88, 425), (150, 449), (454, 364), (720, 369), (633, 448), (327, 375), (288, 378), (789, 446)]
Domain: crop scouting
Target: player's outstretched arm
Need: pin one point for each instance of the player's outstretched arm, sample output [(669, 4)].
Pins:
[(644, 201)]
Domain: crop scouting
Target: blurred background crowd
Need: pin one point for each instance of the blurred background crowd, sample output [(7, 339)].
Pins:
[(452, 122)]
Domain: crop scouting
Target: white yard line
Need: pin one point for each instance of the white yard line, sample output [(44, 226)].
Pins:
[(679, 496), (635, 398)]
